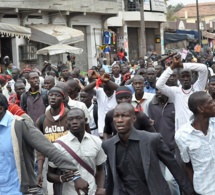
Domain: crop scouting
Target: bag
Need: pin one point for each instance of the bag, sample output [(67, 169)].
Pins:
[(76, 157), (44, 95)]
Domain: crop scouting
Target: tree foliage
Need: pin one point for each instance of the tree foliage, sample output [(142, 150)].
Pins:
[(171, 10)]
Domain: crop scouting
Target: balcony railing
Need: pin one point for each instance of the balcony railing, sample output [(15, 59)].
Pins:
[(132, 5)]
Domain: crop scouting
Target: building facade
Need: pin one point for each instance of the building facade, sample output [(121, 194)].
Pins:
[(88, 16)]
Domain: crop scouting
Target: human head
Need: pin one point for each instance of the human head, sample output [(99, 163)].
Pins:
[(151, 75), (19, 88), (87, 97), (115, 69), (25, 72), (76, 121), (123, 118), (3, 105), (142, 72), (173, 79), (10, 66), (64, 87), (211, 86), (64, 72), (201, 103), (138, 84), (123, 94), (158, 70), (56, 97), (185, 77), (3, 80), (124, 69), (15, 73), (33, 80), (101, 71), (73, 88), (108, 91), (77, 71), (49, 82), (160, 96)]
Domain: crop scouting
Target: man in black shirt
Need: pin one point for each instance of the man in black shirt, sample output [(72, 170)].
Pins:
[(124, 94), (133, 159)]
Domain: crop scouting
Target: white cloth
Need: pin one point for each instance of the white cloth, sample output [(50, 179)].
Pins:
[(198, 148), (147, 99), (180, 97), (92, 123), (90, 151), (105, 104), (117, 80)]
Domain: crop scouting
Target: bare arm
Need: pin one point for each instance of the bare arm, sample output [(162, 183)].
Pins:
[(90, 86), (189, 171)]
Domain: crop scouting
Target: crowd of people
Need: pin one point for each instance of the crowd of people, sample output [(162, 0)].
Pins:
[(129, 128)]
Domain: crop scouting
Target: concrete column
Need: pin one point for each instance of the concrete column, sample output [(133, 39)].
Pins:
[(125, 35)]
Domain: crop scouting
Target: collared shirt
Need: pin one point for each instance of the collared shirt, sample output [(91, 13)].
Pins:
[(105, 104), (179, 96), (128, 158), (147, 97), (164, 121), (199, 149), (35, 105), (90, 150), (9, 180), (149, 89)]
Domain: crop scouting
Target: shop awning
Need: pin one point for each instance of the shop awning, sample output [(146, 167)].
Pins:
[(14, 30), (208, 35), (58, 49), (51, 34)]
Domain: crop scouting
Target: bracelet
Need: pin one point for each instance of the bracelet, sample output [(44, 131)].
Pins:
[(76, 177), (61, 178)]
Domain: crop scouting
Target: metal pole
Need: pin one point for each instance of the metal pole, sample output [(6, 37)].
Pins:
[(142, 30), (198, 21)]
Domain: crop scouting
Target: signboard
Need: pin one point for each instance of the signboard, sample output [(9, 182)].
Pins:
[(158, 5)]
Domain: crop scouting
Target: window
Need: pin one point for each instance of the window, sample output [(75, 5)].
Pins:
[(28, 52)]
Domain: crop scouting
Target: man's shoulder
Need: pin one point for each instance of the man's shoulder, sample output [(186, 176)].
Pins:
[(183, 132)]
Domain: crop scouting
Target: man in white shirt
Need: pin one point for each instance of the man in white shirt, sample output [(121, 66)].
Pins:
[(179, 95), (140, 99), (106, 98), (88, 148), (196, 142), (86, 98)]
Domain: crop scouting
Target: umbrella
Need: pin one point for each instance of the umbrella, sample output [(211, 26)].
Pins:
[(58, 49), (51, 34)]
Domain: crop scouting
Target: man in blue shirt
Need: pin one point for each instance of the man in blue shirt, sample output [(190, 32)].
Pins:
[(18, 139)]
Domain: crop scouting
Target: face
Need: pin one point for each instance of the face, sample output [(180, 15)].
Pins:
[(65, 73), (172, 81), (158, 71), (34, 80), (115, 69), (211, 87), (185, 79), (138, 85), (55, 99), (124, 69), (10, 66), (101, 71), (123, 119), (151, 75), (86, 98), (48, 83), (14, 74), (161, 97), (125, 99), (208, 108), (142, 72), (19, 89), (108, 92), (76, 122)]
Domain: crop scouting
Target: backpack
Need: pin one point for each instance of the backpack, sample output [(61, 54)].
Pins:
[(44, 95), (40, 122)]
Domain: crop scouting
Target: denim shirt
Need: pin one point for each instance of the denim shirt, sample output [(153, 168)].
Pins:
[(9, 181)]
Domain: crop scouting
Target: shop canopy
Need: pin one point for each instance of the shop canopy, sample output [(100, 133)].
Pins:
[(14, 30), (51, 34), (177, 37), (59, 49)]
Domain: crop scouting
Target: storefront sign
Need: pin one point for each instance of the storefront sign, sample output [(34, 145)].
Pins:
[(158, 5)]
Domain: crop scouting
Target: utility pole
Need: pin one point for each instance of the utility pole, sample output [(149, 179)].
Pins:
[(198, 22), (142, 30)]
